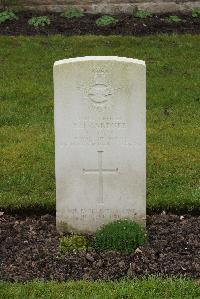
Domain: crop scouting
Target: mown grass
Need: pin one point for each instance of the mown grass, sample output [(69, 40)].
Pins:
[(173, 115), (151, 288)]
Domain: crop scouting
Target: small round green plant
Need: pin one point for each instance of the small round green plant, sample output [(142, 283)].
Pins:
[(142, 14), (196, 12), (72, 13), (7, 16), (106, 21), (73, 243), (121, 235), (173, 19), (39, 21)]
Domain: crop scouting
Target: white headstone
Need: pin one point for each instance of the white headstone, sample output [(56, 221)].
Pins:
[(100, 134)]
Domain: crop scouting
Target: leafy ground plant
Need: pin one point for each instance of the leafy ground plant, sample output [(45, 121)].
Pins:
[(7, 16), (73, 243), (106, 20), (196, 12), (142, 14), (39, 21), (173, 19), (121, 235), (72, 13)]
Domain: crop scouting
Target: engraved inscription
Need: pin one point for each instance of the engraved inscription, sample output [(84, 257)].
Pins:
[(104, 124), (98, 93), (104, 131), (101, 213), (98, 141), (100, 171)]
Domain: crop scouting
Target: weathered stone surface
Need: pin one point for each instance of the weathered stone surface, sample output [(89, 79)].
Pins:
[(100, 141), (110, 6)]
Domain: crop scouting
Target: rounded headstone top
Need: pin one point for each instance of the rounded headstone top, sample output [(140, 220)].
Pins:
[(99, 58)]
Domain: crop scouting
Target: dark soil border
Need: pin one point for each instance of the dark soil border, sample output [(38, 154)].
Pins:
[(29, 250), (51, 210), (126, 25)]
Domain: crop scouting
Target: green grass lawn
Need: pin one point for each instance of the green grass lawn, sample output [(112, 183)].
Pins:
[(26, 117), (151, 288)]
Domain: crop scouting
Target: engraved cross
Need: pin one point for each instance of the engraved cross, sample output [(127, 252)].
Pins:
[(100, 171)]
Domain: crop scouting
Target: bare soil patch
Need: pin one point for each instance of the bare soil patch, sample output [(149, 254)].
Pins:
[(126, 25), (29, 250)]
